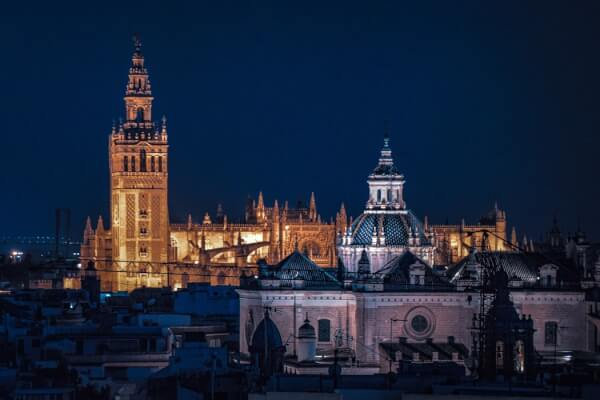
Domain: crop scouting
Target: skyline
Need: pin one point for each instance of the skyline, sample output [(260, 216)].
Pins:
[(253, 102)]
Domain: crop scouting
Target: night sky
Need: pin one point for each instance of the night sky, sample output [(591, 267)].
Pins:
[(484, 101)]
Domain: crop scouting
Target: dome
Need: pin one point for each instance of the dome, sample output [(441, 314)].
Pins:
[(398, 227), (306, 331), (266, 330)]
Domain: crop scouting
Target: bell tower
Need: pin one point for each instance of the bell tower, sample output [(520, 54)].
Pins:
[(138, 158)]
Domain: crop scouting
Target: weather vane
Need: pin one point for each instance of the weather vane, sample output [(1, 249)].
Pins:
[(136, 41)]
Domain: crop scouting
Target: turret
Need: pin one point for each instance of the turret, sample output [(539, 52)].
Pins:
[(307, 342), (386, 183)]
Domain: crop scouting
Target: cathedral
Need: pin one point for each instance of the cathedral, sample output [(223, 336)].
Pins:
[(140, 247)]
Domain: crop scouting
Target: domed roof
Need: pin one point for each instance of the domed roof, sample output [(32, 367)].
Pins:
[(306, 331), (398, 227), (266, 331)]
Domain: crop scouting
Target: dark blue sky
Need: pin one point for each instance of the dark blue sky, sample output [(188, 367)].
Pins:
[(485, 102)]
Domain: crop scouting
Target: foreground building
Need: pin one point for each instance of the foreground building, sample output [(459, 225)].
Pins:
[(385, 298)]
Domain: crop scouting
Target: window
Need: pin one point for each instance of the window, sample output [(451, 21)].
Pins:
[(419, 324), (499, 354), (519, 356), (143, 160), (389, 195), (159, 164), (152, 167), (550, 333), (324, 330), (140, 115), (125, 164), (378, 195), (133, 163)]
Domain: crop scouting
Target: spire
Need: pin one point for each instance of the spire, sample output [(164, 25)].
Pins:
[(88, 231), (513, 237), (260, 208), (312, 213), (88, 225), (138, 94), (276, 209), (100, 225), (261, 201), (206, 220), (386, 162), (189, 222)]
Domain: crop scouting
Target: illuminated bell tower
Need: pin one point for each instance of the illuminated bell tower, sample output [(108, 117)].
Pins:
[(138, 181)]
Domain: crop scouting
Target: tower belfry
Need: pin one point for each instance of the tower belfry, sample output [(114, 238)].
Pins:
[(139, 187)]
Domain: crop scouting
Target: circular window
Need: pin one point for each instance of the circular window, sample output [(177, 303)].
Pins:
[(419, 323)]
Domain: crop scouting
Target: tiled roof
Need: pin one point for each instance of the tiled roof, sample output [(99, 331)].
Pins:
[(425, 350), (396, 228), (397, 272), (517, 265), (298, 266)]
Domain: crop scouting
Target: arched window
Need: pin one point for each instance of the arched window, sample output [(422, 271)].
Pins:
[(378, 195), (389, 195), (133, 163), (324, 330), (143, 160), (152, 164), (139, 115), (125, 164), (159, 164)]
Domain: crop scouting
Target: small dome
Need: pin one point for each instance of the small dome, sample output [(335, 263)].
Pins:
[(266, 330), (397, 228), (306, 331)]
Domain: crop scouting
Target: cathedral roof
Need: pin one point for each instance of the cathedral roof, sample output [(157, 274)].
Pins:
[(397, 272), (517, 265), (398, 227), (298, 266)]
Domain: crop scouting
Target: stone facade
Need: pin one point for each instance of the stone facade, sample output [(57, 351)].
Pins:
[(142, 248)]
